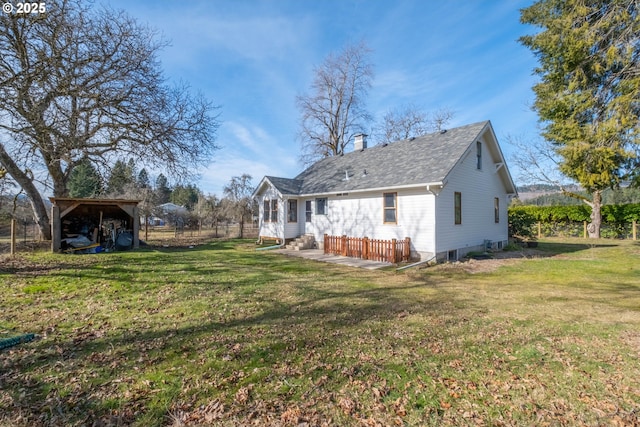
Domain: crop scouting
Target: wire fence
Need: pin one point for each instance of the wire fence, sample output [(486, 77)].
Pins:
[(579, 230)]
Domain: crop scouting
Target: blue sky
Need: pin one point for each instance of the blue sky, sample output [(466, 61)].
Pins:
[(252, 57)]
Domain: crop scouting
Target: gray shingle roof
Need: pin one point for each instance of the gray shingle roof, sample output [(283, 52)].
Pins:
[(423, 160), (286, 186)]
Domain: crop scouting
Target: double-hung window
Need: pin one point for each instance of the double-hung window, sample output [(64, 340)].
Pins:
[(307, 210), (266, 211), (274, 210), (292, 211), (496, 209), (390, 208)]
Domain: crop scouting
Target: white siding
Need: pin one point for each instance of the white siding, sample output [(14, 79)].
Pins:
[(361, 215), (291, 229), (268, 228), (479, 188)]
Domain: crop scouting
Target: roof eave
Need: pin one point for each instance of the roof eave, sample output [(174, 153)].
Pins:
[(376, 189)]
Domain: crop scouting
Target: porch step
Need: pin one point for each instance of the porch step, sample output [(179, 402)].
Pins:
[(303, 242)]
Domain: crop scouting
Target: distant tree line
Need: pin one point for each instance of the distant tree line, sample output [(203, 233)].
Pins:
[(556, 198)]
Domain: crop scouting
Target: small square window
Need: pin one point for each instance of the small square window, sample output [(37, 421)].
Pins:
[(321, 206)]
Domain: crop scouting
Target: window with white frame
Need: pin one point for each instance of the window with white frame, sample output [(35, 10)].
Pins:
[(274, 210), (307, 210), (321, 206), (390, 208), (292, 211), (266, 210)]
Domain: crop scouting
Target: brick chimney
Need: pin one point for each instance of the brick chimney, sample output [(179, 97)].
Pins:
[(360, 142)]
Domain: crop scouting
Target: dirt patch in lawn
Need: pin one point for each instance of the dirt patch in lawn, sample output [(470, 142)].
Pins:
[(494, 261)]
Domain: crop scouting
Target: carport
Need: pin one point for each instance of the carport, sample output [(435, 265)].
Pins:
[(95, 219)]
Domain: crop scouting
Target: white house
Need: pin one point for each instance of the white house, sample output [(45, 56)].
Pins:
[(447, 191)]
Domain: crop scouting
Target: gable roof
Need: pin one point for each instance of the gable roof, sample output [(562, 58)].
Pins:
[(426, 160)]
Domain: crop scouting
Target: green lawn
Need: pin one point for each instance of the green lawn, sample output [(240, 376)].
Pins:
[(220, 334)]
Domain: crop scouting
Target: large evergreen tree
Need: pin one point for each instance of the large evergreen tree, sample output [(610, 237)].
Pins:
[(162, 191), (588, 97), (85, 181), (121, 177)]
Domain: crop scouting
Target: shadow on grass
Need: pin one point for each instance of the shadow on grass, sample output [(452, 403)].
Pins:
[(267, 336)]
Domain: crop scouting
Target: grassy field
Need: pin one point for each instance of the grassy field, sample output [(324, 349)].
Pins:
[(219, 334)]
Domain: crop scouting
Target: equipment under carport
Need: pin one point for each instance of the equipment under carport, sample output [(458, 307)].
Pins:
[(93, 225)]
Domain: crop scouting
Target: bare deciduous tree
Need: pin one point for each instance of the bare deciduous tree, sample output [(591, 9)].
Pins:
[(80, 83), (333, 112), (240, 204), (410, 121)]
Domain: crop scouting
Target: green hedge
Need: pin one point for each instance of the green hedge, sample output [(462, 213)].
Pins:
[(615, 214), (569, 219)]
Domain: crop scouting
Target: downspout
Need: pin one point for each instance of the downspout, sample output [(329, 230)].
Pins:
[(415, 264), (266, 248)]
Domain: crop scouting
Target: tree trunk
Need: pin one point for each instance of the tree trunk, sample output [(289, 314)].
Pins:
[(40, 214), (596, 215)]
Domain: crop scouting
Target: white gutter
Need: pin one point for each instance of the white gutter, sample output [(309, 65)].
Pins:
[(369, 190)]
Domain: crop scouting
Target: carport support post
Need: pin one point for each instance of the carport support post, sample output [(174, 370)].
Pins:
[(56, 229), (136, 227)]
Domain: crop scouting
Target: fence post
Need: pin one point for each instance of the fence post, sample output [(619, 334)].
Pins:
[(635, 229), (394, 258), (539, 230), (365, 248), (584, 229), (407, 249), (326, 244), (344, 245), (13, 236)]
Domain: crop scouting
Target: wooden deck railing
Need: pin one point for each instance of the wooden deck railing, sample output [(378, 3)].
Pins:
[(392, 251)]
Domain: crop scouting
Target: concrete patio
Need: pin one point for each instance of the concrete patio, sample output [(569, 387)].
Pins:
[(319, 255)]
